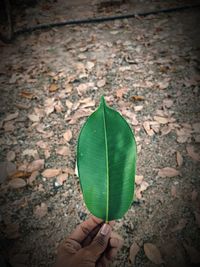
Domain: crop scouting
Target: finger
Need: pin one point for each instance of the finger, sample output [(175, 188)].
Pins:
[(102, 262), (115, 244), (83, 229), (93, 233), (111, 254), (100, 242)]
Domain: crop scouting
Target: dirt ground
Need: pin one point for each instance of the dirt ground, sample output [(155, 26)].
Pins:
[(148, 69)]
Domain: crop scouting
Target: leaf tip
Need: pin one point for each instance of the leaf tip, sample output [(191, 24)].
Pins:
[(102, 102)]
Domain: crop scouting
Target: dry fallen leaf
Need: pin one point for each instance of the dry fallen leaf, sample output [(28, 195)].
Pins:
[(10, 156), (120, 92), (9, 126), (26, 94), (167, 103), (194, 155), (179, 159), (173, 191), (134, 249), (138, 108), (137, 98), (82, 88), (7, 168), (139, 179), (161, 120), (147, 128), (166, 130), (53, 87), (31, 153), (32, 177), (168, 172), (181, 224), (49, 173), (17, 183), (67, 135), (152, 253), (197, 217), (19, 174), (34, 117), (101, 83), (40, 210), (63, 151), (36, 165), (87, 102), (163, 84), (193, 253), (143, 186), (62, 178), (11, 116)]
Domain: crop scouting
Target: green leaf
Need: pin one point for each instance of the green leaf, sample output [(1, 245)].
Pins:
[(106, 161)]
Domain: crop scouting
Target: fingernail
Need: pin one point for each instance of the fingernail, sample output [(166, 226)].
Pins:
[(105, 229)]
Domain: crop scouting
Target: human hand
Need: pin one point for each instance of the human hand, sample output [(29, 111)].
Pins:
[(92, 244)]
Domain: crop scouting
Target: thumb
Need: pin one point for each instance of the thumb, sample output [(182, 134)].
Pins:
[(100, 242)]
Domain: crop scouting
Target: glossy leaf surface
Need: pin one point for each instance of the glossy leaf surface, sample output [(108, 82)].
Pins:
[(106, 161)]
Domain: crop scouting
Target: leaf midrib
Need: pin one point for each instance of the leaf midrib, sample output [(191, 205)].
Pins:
[(107, 165)]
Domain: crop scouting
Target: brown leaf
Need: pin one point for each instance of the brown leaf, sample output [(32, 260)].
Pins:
[(168, 172), (49, 173), (173, 191), (167, 103), (53, 87), (10, 156), (101, 83), (40, 210), (163, 85), (166, 130), (131, 116), (32, 178), (34, 117), (134, 249), (147, 128), (11, 116), (67, 135), (138, 108), (36, 165), (137, 98), (190, 150), (78, 114), (139, 179), (19, 174), (63, 151), (68, 104), (152, 253), (181, 224), (193, 253), (143, 186), (7, 169), (31, 153), (82, 88), (161, 120), (17, 183), (120, 92), (9, 126), (87, 102), (27, 95), (179, 159), (62, 178), (197, 217)]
